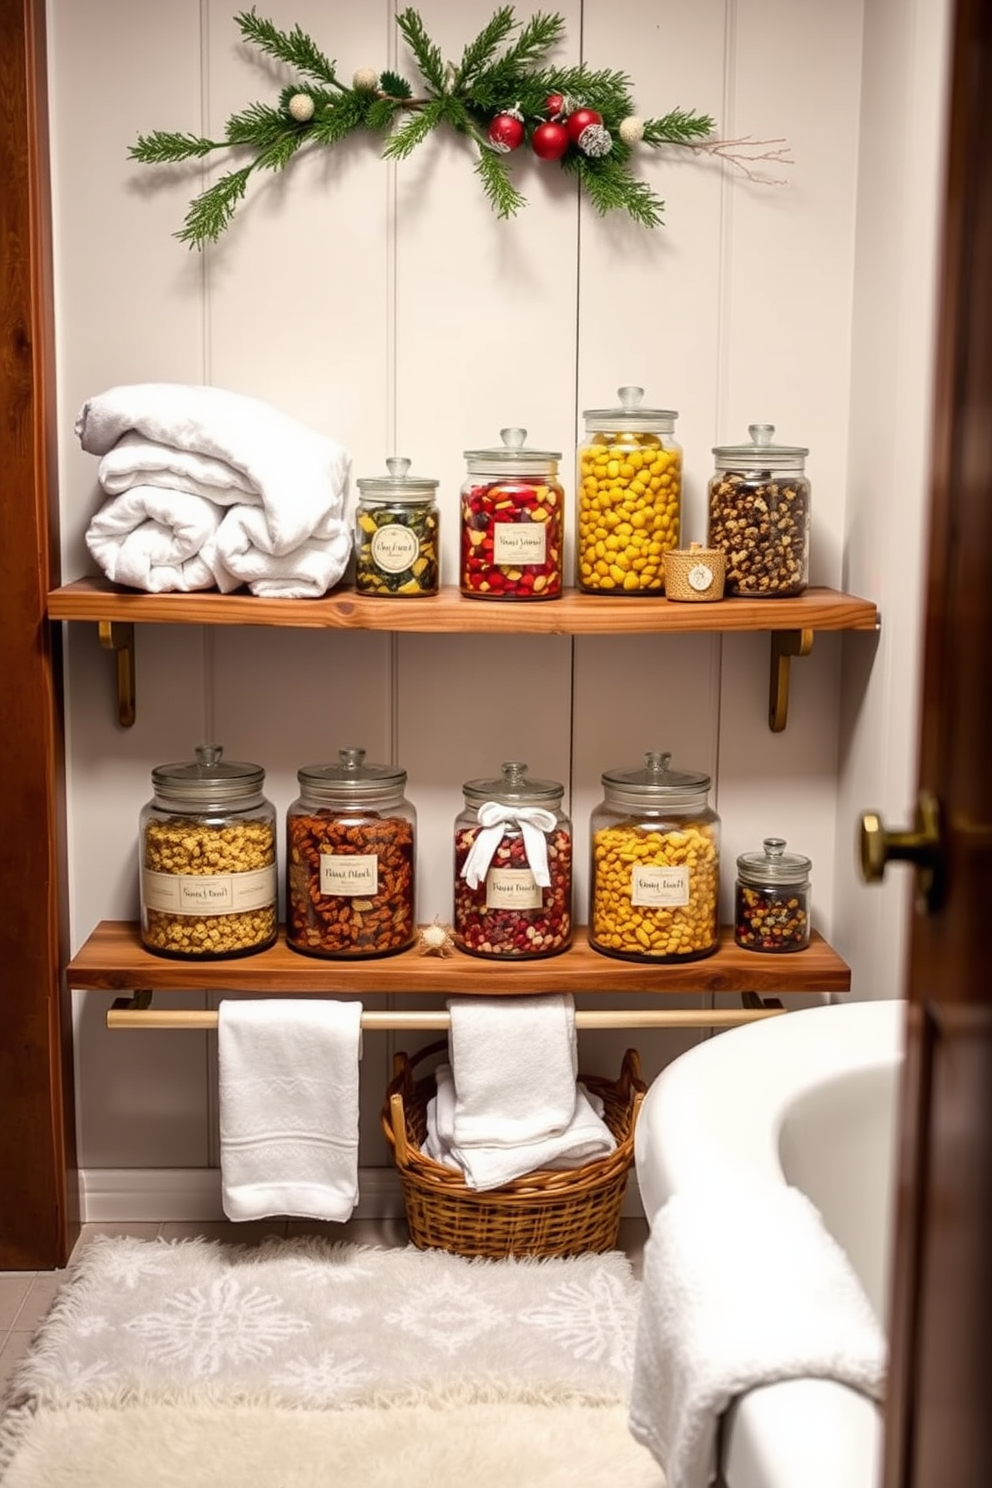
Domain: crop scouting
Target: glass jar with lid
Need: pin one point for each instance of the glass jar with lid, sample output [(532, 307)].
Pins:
[(771, 899), (513, 867), (397, 531), (759, 514), (350, 860), (629, 494), (655, 872), (207, 854), (512, 522)]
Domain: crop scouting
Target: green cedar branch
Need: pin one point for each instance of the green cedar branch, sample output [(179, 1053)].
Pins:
[(505, 67)]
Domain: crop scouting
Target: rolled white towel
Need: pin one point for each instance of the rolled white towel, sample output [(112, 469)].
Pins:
[(299, 478), (136, 461), (158, 540), (307, 572)]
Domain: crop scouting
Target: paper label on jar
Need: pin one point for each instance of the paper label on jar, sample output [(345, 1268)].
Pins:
[(394, 548), (349, 874), (658, 887), (199, 894), (512, 888), (519, 542)]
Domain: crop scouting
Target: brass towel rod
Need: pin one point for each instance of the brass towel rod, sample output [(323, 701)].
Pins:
[(128, 1017)]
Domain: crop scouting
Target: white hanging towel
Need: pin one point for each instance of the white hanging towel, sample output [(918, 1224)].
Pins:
[(743, 1286), (514, 1062), (288, 1074)]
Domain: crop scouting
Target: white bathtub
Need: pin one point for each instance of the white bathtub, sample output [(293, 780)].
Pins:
[(807, 1098)]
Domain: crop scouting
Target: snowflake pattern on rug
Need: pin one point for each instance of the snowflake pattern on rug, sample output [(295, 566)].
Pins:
[(227, 1324), (317, 1324)]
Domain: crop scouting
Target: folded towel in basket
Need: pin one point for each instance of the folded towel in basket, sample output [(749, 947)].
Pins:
[(743, 1286), (514, 1063), (295, 475), (158, 540), (288, 1072), (586, 1138)]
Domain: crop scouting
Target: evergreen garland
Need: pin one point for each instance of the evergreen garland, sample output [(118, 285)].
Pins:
[(498, 72)]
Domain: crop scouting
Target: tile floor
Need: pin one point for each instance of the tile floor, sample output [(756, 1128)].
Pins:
[(25, 1296)]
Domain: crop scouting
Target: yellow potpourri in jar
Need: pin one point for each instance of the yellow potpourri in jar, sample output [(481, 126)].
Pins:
[(629, 497), (655, 873)]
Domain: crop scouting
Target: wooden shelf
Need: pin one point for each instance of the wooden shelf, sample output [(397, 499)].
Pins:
[(114, 960), (450, 613)]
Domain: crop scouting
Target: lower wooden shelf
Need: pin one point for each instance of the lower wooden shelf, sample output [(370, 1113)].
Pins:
[(114, 960)]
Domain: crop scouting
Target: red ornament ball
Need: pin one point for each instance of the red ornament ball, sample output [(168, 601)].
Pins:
[(553, 104), (506, 132), (549, 141), (580, 120)]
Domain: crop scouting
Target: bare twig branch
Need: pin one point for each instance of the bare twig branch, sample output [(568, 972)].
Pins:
[(745, 153)]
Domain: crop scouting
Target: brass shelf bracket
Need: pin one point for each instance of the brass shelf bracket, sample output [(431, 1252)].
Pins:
[(785, 645), (118, 636)]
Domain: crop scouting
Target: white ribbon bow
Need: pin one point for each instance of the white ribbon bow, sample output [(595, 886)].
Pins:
[(494, 819)]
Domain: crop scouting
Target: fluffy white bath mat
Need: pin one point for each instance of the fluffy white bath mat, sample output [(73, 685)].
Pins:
[(207, 1363)]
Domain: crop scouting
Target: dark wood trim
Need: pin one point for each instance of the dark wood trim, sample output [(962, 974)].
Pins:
[(39, 1209)]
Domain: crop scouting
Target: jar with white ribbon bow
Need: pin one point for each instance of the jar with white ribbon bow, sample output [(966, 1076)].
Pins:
[(513, 867)]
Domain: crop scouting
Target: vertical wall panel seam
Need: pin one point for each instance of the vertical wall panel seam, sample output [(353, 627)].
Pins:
[(206, 348)]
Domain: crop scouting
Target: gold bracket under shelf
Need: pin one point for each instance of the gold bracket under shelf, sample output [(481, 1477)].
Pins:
[(118, 636), (785, 645)]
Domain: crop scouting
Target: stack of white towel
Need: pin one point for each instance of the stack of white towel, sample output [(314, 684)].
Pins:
[(509, 1102), (210, 489)]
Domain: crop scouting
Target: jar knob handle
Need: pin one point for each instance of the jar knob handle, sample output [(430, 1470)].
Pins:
[(397, 467), (351, 758), (630, 397), (209, 754), (513, 771), (657, 762), (513, 438), (761, 434), (774, 846)]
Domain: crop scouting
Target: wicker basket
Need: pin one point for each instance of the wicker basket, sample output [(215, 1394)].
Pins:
[(695, 574), (545, 1213)]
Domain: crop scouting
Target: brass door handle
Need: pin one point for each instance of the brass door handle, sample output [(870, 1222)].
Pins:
[(922, 845)]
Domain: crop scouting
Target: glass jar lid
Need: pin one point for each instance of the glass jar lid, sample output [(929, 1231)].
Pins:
[(773, 865), (656, 783), (761, 454), (208, 781), (514, 458), (351, 779), (630, 415), (398, 485), (513, 788)]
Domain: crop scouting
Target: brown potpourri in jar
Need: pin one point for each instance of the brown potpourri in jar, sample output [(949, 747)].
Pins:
[(207, 857), (350, 858), (759, 514), (771, 899), (513, 868)]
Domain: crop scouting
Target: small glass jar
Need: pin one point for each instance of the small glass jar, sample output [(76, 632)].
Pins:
[(397, 531), (655, 873), (350, 861), (512, 522), (629, 492), (771, 899), (513, 868), (207, 854), (759, 514)]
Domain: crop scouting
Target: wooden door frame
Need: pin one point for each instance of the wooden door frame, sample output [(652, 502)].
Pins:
[(39, 1200)]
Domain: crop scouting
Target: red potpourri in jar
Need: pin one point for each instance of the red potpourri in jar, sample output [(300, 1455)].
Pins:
[(512, 514), (513, 868)]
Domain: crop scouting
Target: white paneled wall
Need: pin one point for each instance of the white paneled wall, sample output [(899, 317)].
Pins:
[(387, 306)]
